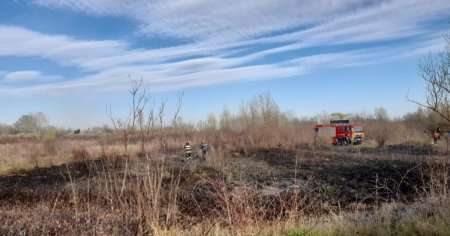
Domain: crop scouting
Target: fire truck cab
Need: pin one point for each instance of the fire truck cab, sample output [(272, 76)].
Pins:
[(340, 132)]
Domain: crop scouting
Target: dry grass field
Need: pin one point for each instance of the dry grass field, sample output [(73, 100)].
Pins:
[(268, 182)]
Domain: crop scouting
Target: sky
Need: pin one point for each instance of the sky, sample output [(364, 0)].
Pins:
[(73, 58)]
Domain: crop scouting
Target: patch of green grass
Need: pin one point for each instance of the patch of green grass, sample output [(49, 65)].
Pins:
[(12, 168), (367, 145), (309, 232), (432, 226), (8, 168), (300, 231), (437, 225)]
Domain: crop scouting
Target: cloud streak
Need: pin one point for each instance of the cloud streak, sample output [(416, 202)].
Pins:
[(27, 75), (220, 21), (202, 19), (21, 42)]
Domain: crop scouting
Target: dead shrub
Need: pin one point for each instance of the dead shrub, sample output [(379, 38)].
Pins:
[(35, 153), (436, 177)]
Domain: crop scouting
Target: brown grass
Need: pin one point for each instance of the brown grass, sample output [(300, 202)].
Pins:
[(263, 180)]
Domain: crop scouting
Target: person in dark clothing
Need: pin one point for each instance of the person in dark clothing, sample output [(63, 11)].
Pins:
[(204, 148)]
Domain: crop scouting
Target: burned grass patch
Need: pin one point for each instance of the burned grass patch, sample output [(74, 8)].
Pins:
[(135, 195)]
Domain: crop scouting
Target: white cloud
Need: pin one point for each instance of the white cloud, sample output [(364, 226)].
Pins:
[(22, 75), (17, 41), (28, 75)]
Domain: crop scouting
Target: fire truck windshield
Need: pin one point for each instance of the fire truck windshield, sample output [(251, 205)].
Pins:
[(357, 129)]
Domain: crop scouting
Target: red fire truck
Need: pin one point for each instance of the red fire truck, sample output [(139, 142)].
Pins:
[(340, 132)]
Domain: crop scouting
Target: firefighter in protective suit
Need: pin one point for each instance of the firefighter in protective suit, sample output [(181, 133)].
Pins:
[(188, 151), (204, 148), (436, 137)]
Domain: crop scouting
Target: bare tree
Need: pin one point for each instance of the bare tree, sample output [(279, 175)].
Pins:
[(270, 111), (140, 97), (225, 119), (127, 127), (434, 70), (260, 110), (381, 114), (210, 124), (380, 128), (179, 104), (162, 107), (143, 118)]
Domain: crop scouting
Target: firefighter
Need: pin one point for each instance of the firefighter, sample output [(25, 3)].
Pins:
[(204, 148), (188, 151), (436, 136)]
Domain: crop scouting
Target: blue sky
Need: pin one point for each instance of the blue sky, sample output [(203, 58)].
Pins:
[(71, 58)]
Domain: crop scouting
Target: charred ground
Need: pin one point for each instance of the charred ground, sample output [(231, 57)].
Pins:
[(273, 182)]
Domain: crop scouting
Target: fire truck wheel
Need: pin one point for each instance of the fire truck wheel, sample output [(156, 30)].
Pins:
[(344, 141)]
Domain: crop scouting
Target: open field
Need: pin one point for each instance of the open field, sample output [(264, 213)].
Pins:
[(90, 186)]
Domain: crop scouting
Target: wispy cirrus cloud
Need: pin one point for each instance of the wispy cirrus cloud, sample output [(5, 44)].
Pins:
[(168, 76), (21, 42), (27, 75), (227, 21), (202, 19), (225, 25)]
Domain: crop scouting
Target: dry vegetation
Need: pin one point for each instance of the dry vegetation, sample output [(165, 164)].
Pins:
[(263, 176)]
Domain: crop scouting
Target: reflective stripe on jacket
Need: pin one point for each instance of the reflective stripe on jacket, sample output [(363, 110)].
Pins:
[(204, 146), (188, 148)]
